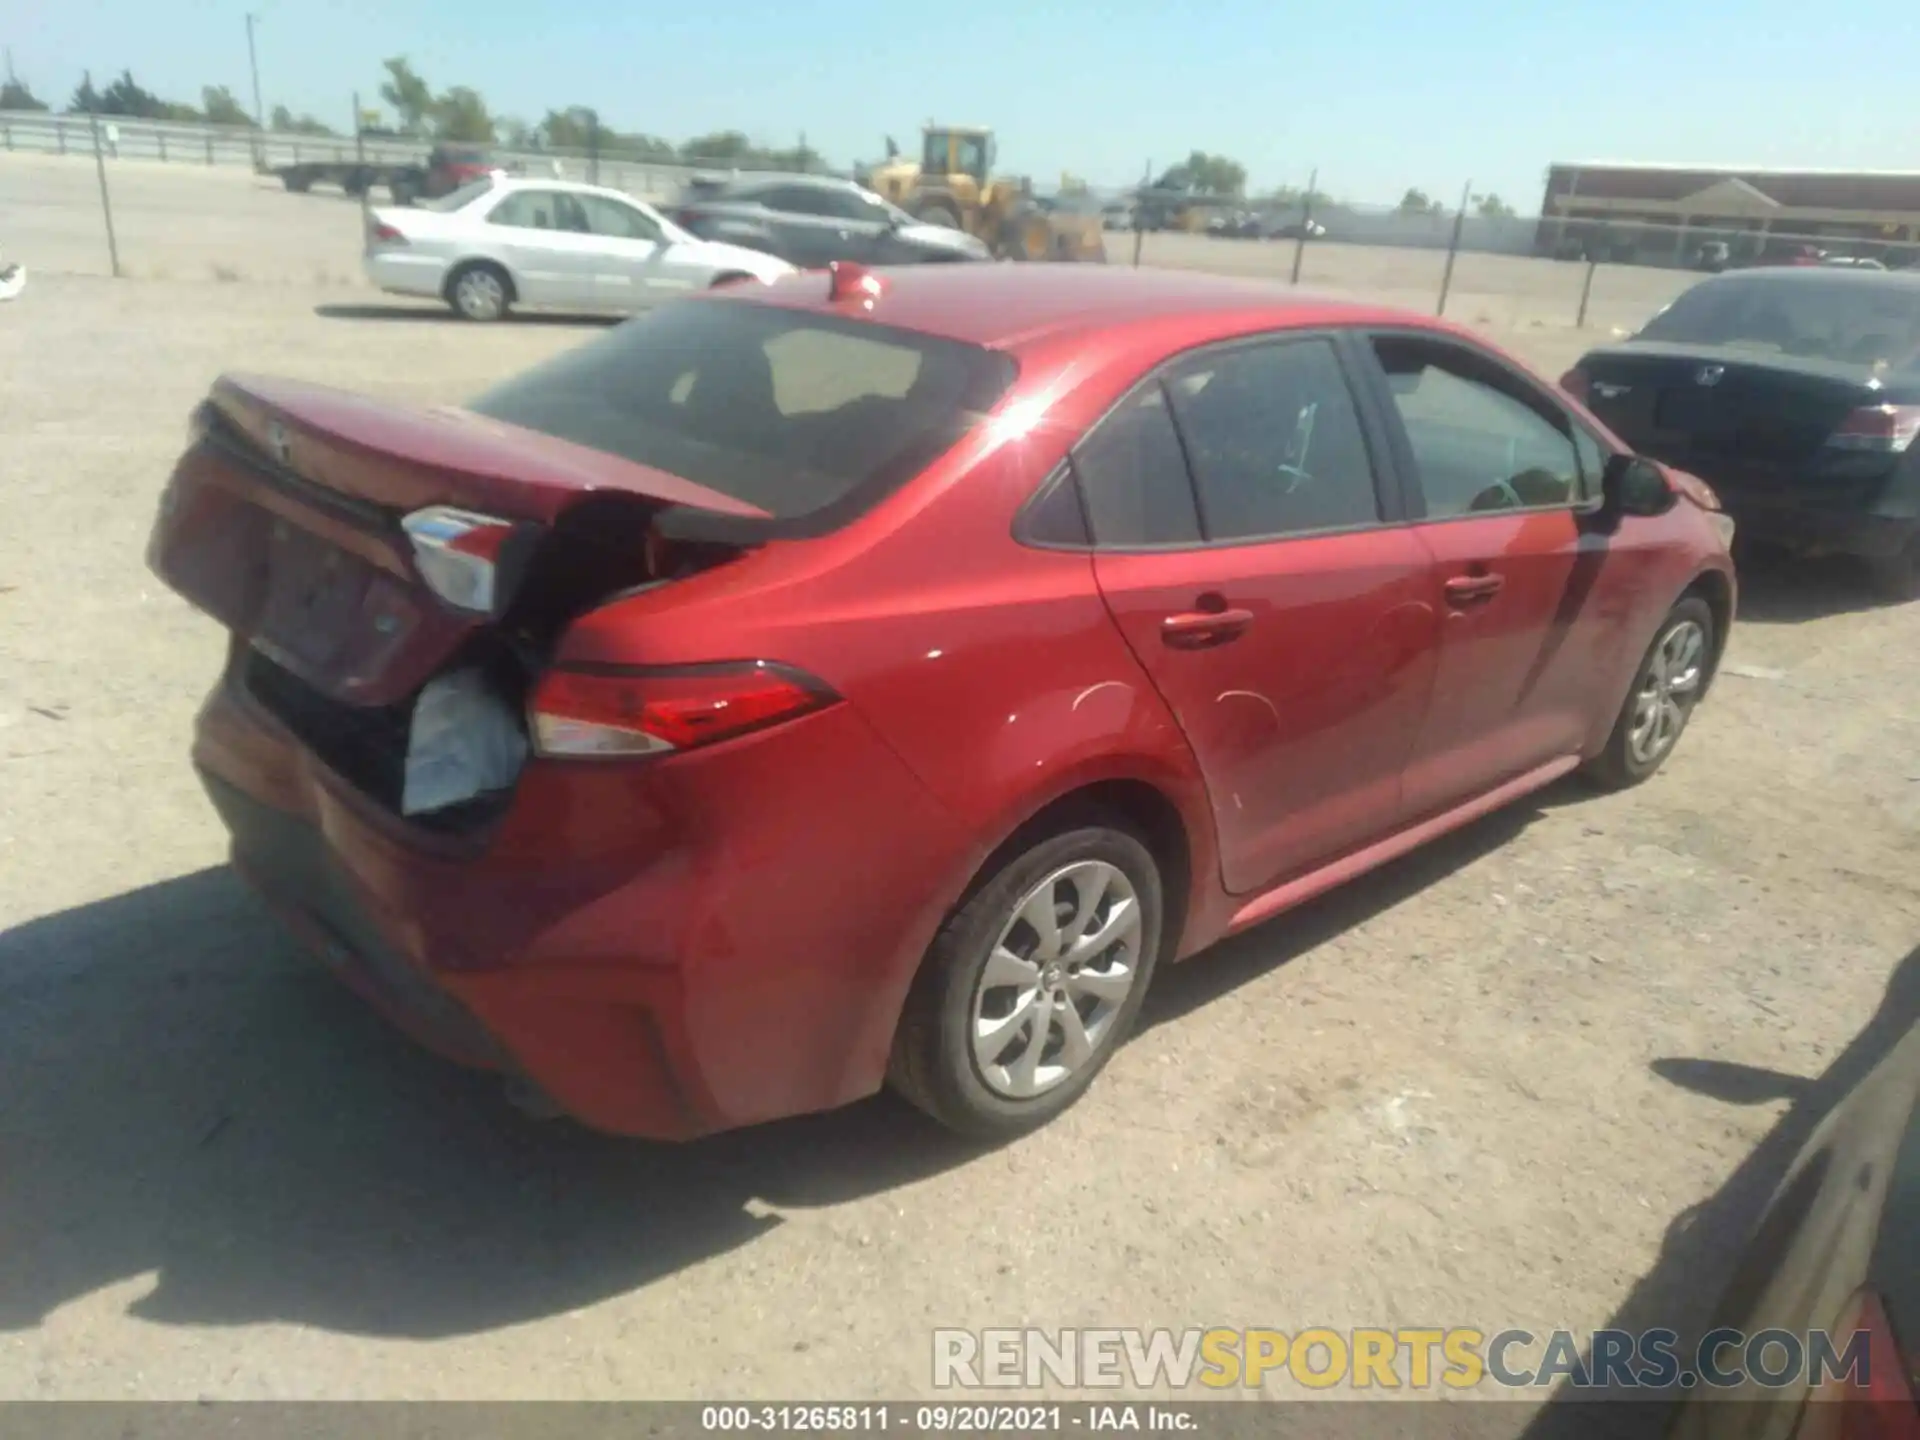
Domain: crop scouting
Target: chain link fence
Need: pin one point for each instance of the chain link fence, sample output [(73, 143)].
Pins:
[(1474, 261)]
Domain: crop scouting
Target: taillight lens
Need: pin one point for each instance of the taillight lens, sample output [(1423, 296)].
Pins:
[(385, 234), (1877, 1403), (459, 554), (1574, 382), (583, 714), (1887, 429)]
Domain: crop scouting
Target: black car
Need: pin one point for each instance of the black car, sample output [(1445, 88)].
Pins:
[(1837, 1250), (1795, 393), (812, 220)]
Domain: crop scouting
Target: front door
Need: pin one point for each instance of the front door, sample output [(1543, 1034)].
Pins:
[(544, 237), (1256, 568), (1505, 476), (634, 267)]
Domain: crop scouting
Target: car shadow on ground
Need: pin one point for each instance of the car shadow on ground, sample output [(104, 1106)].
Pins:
[(428, 313), (1179, 990), (1778, 590), (184, 1095), (1702, 1245)]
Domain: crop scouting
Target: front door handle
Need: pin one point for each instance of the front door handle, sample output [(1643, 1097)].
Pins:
[(1469, 589), (1192, 629)]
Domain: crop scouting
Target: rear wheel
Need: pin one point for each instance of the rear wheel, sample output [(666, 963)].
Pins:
[(1660, 701), (1897, 577), (1032, 984), (480, 290)]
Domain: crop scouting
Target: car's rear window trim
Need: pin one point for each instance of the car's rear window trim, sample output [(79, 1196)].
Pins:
[(692, 523)]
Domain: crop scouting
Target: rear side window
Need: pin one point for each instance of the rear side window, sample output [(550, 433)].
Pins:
[(1275, 441), (1134, 476), (801, 414)]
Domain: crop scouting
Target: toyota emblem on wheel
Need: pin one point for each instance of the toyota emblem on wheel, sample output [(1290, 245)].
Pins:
[(1710, 374)]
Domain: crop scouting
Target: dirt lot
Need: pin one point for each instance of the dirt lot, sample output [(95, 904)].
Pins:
[(1464, 1091)]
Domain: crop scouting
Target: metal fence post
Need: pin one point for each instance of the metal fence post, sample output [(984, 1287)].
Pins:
[(60, 134), (161, 136), (1453, 248), (1306, 224), (1586, 292), (106, 205), (1139, 217), (7, 130), (209, 140)]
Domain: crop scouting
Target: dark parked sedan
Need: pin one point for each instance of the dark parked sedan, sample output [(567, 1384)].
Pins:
[(1795, 393), (814, 220)]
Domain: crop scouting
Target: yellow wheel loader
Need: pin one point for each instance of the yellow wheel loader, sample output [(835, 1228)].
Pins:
[(952, 183)]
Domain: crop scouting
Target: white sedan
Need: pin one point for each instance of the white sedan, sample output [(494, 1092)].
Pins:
[(498, 243)]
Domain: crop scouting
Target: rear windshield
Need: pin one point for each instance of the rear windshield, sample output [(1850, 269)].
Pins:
[(803, 415), (1843, 321)]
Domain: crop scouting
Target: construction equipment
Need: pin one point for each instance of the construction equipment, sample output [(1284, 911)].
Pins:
[(952, 183)]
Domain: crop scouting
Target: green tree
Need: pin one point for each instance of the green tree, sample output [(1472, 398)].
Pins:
[(14, 95), (1492, 207), (460, 114), (1418, 202), (220, 108), (86, 99), (128, 98), (724, 147), (408, 94), (287, 123)]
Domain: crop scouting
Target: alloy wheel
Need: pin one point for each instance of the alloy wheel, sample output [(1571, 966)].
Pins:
[(1056, 979)]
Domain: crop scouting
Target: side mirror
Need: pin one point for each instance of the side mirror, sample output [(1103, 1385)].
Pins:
[(1633, 486)]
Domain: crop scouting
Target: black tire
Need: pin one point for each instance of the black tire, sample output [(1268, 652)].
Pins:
[(299, 184), (933, 1066), (1896, 578), (480, 268), (1620, 765), (938, 213), (727, 278)]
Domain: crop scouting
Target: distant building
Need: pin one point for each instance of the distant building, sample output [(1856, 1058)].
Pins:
[(1660, 214)]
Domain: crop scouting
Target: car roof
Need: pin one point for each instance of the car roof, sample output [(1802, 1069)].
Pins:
[(507, 184), (1010, 307), (767, 179), (1822, 274)]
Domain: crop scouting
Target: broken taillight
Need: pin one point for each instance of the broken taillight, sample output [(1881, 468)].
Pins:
[(1888, 429), (591, 714), (459, 554), (1873, 1400)]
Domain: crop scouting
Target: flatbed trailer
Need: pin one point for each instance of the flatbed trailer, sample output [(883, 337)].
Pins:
[(405, 182)]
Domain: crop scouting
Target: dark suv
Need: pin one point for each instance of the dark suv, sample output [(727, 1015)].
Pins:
[(813, 220)]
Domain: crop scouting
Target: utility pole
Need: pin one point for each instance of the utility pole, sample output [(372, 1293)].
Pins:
[(259, 116)]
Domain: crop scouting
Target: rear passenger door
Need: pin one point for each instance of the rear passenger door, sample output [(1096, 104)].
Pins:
[(1256, 565), (546, 241), (1500, 477)]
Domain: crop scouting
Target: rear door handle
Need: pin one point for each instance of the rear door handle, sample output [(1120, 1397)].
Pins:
[(1467, 589), (1192, 629)]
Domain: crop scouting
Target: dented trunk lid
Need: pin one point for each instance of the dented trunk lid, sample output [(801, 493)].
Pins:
[(283, 522)]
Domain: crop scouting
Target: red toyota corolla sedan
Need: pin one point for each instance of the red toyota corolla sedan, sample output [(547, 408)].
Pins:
[(872, 677)]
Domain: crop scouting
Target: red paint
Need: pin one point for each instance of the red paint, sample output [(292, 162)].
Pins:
[(689, 941)]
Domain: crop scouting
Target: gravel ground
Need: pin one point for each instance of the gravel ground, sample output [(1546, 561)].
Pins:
[(1462, 1091)]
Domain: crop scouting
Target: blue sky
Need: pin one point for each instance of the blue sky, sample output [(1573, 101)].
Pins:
[(1379, 94)]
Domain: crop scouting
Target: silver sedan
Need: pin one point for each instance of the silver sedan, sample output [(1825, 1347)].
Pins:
[(499, 243)]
